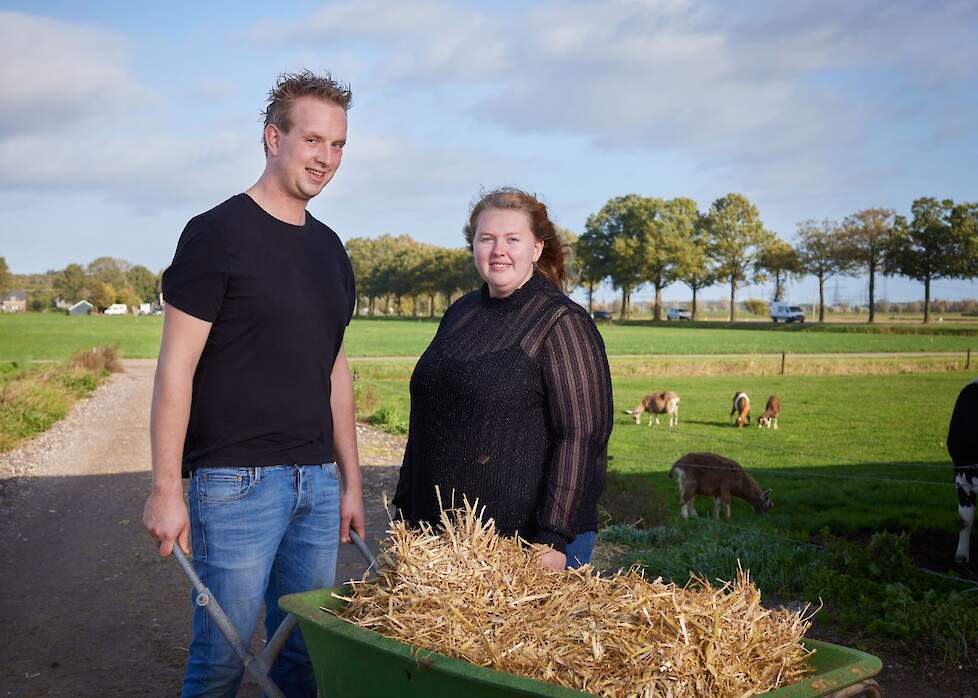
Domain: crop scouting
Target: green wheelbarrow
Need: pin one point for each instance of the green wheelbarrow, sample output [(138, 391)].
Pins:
[(354, 662)]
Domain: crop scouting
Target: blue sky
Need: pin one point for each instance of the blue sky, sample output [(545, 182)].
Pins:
[(119, 121)]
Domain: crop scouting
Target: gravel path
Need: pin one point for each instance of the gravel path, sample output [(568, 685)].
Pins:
[(90, 608)]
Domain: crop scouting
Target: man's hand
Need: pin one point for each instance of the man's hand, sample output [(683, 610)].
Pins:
[(548, 558), (351, 514), (165, 517)]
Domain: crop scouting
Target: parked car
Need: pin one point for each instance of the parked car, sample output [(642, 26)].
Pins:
[(678, 314), (782, 312), (601, 314), (116, 309)]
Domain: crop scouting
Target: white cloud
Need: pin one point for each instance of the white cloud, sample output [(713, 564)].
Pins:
[(750, 84), (53, 72), (144, 173)]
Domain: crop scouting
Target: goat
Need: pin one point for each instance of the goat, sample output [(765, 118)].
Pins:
[(771, 411), (741, 408), (665, 402), (718, 477), (962, 445)]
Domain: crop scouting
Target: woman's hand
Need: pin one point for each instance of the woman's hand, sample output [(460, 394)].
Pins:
[(548, 558)]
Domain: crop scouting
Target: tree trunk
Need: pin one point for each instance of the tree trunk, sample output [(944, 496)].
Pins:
[(622, 312), (926, 299), (821, 299), (657, 310), (778, 291), (733, 300), (872, 293), (397, 305), (693, 314), (590, 297), (431, 305)]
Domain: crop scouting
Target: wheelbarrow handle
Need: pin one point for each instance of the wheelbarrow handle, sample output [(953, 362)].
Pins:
[(256, 666), (364, 550)]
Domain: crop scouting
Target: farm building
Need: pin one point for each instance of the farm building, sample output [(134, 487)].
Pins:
[(81, 308), (14, 302)]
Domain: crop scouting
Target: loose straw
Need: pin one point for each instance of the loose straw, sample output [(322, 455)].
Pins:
[(469, 593)]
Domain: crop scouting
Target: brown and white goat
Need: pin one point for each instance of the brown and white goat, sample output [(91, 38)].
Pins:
[(665, 402), (714, 476), (771, 411), (741, 408)]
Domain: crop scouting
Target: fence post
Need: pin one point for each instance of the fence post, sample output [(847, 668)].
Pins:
[(782, 362)]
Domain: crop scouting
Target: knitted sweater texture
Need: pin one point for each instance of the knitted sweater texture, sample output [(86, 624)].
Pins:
[(511, 404)]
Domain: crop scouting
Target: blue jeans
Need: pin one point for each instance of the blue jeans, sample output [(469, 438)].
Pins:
[(258, 534), (579, 550)]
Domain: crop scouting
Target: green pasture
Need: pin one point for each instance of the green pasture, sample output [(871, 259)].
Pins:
[(852, 453), (390, 337), (51, 336), (46, 336)]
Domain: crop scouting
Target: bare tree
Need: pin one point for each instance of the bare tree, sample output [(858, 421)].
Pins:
[(821, 249), (869, 236)]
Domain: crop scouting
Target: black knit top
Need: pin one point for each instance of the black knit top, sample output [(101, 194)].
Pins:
[(511, 404)]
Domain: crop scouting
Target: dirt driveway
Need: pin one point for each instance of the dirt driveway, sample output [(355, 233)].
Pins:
[(87, 606)]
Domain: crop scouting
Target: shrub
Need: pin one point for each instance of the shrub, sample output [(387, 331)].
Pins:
[(755, 306), (98, 359), (389, 420)]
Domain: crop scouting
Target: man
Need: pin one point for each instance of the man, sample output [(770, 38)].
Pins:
[(253, 395)]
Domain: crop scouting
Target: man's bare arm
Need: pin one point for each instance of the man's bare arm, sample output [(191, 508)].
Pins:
[(165, 515), (345, 447)]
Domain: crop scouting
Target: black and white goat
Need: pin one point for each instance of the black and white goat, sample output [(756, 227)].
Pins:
[(962, 444)]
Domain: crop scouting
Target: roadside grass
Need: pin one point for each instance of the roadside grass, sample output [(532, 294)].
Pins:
[(35, 397)]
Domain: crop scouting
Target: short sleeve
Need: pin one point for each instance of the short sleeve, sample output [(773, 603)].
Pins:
[(196, 280)]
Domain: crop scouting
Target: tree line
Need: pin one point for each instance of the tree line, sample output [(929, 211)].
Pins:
[(101, 282), (635, 240), (631, 242)]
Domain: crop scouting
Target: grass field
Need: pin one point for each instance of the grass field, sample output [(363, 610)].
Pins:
[(851, 453), (46, 336)]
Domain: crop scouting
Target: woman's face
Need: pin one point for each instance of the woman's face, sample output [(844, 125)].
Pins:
[(504, 249)]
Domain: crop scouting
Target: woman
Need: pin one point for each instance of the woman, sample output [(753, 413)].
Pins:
[(511, 402)]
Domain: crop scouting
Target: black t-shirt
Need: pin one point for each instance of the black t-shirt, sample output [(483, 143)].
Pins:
[(279, 297)]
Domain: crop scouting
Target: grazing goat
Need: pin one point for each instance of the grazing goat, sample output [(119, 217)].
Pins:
[(718, 477), (771, 411), (741, 408), (666, 402), (962, 445)]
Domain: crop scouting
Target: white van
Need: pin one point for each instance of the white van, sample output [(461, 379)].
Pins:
[(116, 309), (782, 312)]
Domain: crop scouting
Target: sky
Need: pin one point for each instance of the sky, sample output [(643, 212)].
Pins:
[(119, 121)]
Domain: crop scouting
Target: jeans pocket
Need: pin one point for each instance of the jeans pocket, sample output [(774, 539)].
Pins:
[(224, 484), (331, 471)]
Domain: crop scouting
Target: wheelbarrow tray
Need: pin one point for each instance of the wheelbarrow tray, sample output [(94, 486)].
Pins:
[(354, 662)]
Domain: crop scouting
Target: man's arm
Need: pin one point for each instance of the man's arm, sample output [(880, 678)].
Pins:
[(165, 515), (345, 447)]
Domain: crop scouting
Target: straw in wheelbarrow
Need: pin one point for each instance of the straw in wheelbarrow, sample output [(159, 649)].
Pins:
[(469, 593)]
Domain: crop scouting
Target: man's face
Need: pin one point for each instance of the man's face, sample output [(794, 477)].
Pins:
[(307, 157)]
